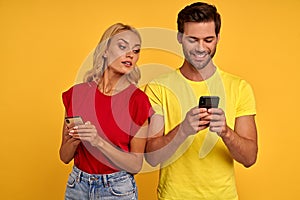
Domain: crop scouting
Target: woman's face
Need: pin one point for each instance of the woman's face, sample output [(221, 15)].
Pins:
[(123, 52)]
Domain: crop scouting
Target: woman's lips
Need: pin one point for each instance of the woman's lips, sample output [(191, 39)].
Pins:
[(127, 63)]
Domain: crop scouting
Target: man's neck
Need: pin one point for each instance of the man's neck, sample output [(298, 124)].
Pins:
[(193, 74)]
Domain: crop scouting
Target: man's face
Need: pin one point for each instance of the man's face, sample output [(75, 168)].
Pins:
[(199, 42)]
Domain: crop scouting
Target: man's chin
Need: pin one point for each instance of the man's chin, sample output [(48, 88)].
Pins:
[(199, 66)]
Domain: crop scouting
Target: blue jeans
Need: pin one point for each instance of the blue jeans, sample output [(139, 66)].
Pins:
[(83, 186)]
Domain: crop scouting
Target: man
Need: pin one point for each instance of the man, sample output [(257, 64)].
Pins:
[(195, 146)]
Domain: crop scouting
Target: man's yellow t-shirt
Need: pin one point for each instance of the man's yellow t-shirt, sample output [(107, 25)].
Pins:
[(187, 175)]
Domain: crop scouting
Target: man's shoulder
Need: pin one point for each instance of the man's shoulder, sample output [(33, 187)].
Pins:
[(166, 77), (234, 81), (230, 77)]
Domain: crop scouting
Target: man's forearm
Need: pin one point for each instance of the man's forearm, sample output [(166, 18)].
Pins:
[(243, 150), (160, 149)]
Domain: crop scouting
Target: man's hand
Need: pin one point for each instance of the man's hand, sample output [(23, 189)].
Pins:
[(195, 121), (217, 119)]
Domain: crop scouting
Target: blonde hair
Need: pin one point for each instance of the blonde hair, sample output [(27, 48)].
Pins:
[(99, 61)]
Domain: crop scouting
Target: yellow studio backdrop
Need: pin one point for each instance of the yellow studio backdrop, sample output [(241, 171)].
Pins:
[(43, 43)]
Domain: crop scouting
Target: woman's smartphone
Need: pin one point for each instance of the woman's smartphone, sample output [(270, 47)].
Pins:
[(73, 121), (209, 102)]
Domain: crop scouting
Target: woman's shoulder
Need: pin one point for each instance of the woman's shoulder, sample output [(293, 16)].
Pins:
[(83, 86), (136, 91), (86, 85), (138, 96), (80, 89)]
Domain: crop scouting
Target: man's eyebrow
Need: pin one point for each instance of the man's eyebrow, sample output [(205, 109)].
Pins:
[(210, 37), (193, 37)]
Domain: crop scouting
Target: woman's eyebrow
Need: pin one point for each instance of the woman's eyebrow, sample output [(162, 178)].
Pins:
[(124, 40), (136, 45)]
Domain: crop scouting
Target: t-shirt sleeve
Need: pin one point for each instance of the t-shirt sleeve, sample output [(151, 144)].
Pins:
[(66, 97), (246, 101), (141, 108), (152, 90)]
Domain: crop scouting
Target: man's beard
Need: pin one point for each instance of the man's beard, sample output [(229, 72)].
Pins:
[(200, 64)]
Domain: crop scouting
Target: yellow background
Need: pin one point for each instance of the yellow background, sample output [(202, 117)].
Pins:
[(44, 42)]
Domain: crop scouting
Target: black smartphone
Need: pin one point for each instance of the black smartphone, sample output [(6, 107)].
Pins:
[(73, 121), (209, 102)]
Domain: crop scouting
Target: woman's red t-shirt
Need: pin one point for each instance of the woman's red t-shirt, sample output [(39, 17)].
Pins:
[(117, 119)]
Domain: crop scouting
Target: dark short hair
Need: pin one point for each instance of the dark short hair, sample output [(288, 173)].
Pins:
[(199, 12)]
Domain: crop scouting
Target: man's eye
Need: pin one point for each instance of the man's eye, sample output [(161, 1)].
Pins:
[(136, 51), (191, 40), (208, 40)]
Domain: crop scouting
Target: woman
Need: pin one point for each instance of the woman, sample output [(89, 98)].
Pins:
[(108, 148)]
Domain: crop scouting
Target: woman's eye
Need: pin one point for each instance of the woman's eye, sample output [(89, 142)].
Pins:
[(122, 47), (136, 51)]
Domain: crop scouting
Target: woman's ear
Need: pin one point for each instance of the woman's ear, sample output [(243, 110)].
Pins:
[(104, 54), (179, 37)]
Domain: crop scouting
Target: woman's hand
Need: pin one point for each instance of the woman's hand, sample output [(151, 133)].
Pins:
[(68, 146), (86, 132)]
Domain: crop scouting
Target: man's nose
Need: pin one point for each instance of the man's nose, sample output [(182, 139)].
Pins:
[(200, 46)]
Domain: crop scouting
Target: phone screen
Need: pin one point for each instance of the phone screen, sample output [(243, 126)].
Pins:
[(209, 102)]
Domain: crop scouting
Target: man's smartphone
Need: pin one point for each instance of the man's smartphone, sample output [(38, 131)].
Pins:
[(73, 121), (209, 102)]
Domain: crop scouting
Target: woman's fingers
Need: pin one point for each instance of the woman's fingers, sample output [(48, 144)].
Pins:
[(87, 132)]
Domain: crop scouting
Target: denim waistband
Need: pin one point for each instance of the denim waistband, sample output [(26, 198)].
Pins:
[(104, 179)]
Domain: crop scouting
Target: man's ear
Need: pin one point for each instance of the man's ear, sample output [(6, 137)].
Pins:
[(218, 37), (179, 37)]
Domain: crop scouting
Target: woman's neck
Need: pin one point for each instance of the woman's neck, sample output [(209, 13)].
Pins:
[(112, 83)]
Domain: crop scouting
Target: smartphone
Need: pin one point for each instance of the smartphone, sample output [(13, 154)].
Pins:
[(73, 121), (209, 102)]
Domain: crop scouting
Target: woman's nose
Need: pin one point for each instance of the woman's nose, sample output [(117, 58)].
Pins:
[(129, 54)]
